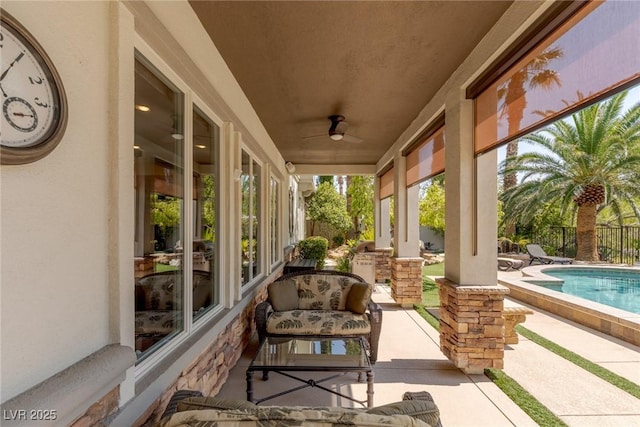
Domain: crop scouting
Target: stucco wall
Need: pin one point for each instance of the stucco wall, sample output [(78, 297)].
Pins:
[(54, 224)]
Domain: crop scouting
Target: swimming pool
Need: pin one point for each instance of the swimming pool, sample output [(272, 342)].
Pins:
[(611, 307), (616, 288)]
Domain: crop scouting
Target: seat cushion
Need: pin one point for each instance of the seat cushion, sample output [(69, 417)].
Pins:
[(318, 322), (273, 416), (358, 297), (209, 402), (158, 291), (283, 295), (425, 410), (323, 291), (156, 321)]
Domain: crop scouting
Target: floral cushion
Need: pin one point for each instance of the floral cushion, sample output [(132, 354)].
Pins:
[(160, 322), (323, 291), (157, 291), (318, 322), (273, 416)]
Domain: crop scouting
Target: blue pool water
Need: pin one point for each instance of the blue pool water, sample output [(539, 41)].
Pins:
[(615, 288)]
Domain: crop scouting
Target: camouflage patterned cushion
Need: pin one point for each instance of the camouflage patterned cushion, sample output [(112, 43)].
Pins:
[(318, 322), (273, 416)]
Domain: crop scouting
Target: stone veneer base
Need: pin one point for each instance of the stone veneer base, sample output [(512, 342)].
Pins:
[(383, 264), (406, 281), (209, 371), (471, 325)]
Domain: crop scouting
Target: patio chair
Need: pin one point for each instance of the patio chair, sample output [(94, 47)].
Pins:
[(536, 253), (509, 264)]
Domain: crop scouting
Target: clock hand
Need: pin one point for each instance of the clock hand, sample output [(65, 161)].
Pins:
[(22, 115), (3, 92), (4, 74)]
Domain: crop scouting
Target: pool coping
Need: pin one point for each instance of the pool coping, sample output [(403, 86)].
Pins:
[(609, 320)]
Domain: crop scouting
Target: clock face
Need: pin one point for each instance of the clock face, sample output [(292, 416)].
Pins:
[(31, 96)]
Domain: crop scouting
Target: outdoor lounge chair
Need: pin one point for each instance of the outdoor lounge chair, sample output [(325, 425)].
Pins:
[(509, 264), (536, 253)]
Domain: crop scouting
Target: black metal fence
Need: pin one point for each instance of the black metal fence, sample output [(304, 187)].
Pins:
[(615, 244)]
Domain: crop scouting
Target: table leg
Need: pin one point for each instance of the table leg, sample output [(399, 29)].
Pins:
[(250, 386), (370, 389)]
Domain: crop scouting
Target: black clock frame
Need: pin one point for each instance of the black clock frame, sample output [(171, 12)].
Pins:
[(49, 141)]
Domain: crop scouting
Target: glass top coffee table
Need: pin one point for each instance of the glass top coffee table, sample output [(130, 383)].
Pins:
[(286, 356)]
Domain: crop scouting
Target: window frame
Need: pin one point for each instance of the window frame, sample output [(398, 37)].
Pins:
[(219, 306), (275, 230), (261, 216), (190, 101)]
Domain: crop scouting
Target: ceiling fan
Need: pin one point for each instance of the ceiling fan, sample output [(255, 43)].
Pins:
[(337, 130)]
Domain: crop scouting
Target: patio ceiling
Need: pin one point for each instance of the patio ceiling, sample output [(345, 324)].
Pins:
[(376, 63)]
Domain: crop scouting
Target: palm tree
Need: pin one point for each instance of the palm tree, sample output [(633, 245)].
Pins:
[(592, 160), (513, 94)]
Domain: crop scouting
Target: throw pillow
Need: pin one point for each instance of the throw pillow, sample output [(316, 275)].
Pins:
[(208, 402), (283, 295), (358, 298), (424, 410)]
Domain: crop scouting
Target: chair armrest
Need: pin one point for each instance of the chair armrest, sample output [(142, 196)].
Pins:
[(263, 311), (375, 312), (172, 406), (375, 318)]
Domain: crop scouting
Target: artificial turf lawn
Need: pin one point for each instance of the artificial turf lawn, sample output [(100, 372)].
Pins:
[(597, 370)]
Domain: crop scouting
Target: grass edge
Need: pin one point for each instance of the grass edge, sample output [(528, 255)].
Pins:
[(589, 366), (514, 391)]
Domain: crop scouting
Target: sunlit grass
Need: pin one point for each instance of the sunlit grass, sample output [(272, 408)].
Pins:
[(529, 404)]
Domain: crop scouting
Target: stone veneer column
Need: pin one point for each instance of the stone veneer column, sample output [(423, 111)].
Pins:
[(383, 264), (406, 281), (471, 325)]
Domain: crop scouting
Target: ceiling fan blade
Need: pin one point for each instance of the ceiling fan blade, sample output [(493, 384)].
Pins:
[(351, 138), (314, 136), (341, 127)]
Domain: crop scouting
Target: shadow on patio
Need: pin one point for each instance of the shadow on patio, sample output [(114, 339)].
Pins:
[(409, 359)]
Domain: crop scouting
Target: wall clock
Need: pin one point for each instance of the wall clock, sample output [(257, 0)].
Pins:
[(34, 104)]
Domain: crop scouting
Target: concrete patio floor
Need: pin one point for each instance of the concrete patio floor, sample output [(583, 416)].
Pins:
[(410, 360)]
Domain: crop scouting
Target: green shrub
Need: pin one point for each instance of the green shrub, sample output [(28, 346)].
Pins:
[(338, 240), (314, 247), (344, 264)]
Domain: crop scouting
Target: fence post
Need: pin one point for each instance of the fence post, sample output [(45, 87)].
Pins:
[(622, 251), (564, 241)]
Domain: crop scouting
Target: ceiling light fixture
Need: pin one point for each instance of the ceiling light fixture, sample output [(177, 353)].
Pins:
[(200, 146), (336, 136), (142, 108), (291, 168), (177, 128)]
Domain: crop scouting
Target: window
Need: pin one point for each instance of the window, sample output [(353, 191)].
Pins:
[(250, 182), (176, 231), (206, 292)]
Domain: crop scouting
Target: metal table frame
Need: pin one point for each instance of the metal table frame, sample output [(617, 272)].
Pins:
[(286, 371)]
